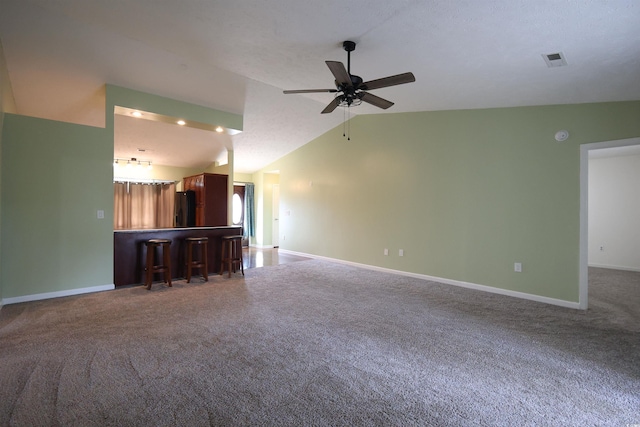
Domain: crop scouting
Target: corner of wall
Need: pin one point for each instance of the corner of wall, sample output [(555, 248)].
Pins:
[(7, 100), (7, 105)]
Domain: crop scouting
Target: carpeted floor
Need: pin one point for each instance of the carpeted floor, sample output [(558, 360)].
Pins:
[(317, 343)]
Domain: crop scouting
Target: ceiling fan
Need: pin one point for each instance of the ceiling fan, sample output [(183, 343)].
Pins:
[(351, 89)]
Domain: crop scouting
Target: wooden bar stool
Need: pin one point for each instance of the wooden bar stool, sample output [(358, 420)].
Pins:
[(231, 254), (152, 267), (202, 262)]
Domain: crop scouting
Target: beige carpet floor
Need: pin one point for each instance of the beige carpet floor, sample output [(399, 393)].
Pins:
[(322, 344)]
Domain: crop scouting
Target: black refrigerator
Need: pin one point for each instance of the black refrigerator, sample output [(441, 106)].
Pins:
[(185, 208)]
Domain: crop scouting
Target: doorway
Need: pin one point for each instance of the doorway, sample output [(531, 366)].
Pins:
[(237, 210), (583, 275), (275, 231)]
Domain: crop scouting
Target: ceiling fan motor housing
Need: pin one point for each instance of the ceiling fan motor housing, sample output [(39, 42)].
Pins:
[(356, 81), (349, 46)]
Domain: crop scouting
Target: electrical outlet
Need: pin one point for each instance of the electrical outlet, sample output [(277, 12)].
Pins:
[(386, 251), (517, 267), (401, 252), (601, 248), (100, 214)]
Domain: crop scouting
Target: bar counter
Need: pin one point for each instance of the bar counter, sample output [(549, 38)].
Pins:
[(129, 251)]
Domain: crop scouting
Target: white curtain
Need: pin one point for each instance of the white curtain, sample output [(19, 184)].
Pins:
[(143, 206)]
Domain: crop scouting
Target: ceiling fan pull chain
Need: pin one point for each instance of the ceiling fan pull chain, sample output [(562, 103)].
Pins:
[(349, 125), (344, 121)]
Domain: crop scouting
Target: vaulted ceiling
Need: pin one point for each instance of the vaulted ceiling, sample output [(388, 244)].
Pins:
[(238, 56)]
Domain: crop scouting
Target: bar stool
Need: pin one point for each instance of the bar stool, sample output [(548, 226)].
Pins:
[(152, 267), (231, 254), (202, 262)]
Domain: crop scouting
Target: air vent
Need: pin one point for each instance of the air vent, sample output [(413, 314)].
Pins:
[(554, 59)]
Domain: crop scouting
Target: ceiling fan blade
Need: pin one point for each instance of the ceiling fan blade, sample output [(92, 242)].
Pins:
[(340, 73), (332, 106), (310, 91), (388, 81), (375, 100)]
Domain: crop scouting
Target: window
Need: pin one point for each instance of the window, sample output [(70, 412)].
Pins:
[(237, 209)]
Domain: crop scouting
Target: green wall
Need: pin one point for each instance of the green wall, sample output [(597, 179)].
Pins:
[(55, 177), (465, 194), (7, 105), (263, 191), (242, 177), (269, 180)]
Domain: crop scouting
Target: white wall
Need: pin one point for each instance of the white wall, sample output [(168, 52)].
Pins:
[(614, 212), (158, 172)]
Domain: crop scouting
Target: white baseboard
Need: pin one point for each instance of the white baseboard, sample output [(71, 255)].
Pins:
[(262, 246), (48, 295), (468, 285), (614, 267)]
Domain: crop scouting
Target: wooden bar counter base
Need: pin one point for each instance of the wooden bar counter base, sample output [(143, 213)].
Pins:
[(129, 252)]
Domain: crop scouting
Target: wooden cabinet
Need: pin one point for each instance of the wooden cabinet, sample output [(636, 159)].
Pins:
[(211, 198)]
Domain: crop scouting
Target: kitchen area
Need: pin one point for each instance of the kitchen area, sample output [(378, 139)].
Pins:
[(173, 180), (199, 211)]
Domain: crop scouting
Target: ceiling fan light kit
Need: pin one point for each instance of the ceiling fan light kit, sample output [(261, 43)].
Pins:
[(351, 90)]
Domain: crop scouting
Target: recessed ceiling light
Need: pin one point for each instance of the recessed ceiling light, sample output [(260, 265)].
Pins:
[(181, 122), (219, 129), (136, 114)]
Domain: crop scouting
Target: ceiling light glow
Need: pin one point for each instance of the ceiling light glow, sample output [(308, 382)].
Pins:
[(181, 122)]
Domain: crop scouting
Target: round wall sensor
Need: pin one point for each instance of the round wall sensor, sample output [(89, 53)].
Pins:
[(562, 135)]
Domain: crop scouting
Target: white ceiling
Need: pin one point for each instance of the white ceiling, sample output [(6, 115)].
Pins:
[(238, 56)]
